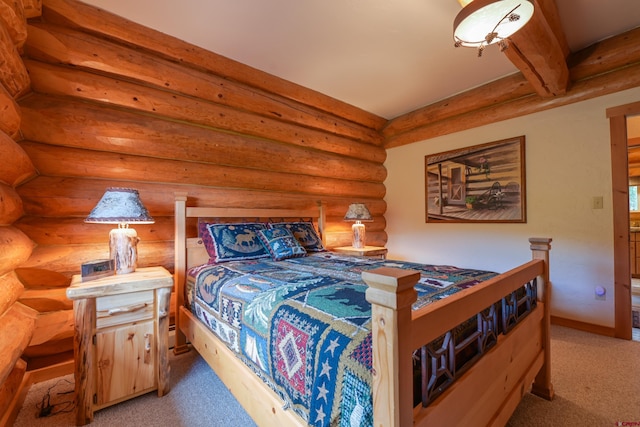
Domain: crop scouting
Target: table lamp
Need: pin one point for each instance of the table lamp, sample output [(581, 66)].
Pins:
[(121, 206), (358, 212)]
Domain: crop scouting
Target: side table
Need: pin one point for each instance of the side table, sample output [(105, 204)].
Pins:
[(121, 341), (368, 251)]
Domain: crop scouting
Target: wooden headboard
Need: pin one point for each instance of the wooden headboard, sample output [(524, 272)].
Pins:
[(190, 250)]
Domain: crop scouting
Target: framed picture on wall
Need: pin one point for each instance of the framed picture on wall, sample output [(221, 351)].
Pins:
[(482, 183)]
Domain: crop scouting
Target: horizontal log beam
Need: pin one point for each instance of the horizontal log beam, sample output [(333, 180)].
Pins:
[(11, 394), (11, 207), (63, 231), (604, 56), (46, 300), (10, 290), (13, 74), (625, 78), (35, 278), (18, 324), (47, 350), (20, 168), (15, 248), (75, 197), (57, 80), (611, 78), (53, 326), (64, 46), (13, 19), (72, 162), (96, 21), (339, 225), (337, 239), (66, 260), (53, 230), (9, 114), (485, 96), (105, 129)]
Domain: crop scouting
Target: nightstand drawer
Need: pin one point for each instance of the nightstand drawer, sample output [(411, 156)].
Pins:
[(121, 309)]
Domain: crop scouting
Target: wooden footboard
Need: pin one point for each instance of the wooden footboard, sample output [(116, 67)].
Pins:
[(485, 394), (488, 392)]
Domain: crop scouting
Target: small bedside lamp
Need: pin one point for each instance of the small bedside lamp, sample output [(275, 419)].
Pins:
[(358, 212), (121, 206)]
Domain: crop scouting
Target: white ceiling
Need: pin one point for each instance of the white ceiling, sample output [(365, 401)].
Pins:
[(387, 57)]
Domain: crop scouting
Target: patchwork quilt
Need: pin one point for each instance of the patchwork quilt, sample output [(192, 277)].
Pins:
[(303, 325)]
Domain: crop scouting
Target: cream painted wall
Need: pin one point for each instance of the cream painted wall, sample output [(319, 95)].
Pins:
[(568, 162)]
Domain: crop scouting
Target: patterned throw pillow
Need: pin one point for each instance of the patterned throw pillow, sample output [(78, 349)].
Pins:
[(304, 232), (232, 242), (281, 244)]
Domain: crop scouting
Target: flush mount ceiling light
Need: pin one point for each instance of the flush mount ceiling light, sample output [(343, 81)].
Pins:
[(484, 22)]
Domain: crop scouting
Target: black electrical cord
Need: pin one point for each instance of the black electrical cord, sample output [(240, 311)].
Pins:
[(46, 408)]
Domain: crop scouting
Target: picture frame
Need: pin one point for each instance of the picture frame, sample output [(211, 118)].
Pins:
[(482, 183)]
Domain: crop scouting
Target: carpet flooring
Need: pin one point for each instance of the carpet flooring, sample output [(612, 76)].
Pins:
[(596, 381), (195, 389)]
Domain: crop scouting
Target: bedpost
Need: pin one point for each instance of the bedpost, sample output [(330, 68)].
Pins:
[(180, 267), (321, 223), (391, 293), (542, 386)]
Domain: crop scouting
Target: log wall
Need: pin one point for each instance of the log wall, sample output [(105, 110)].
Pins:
[(108, 108), (89, 100), (18, 320), (92, 101)]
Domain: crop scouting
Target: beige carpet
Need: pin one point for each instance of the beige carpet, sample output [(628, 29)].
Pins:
[(195, 389), (596, 380)]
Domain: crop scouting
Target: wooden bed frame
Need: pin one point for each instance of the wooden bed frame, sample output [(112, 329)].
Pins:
[(489, 391)]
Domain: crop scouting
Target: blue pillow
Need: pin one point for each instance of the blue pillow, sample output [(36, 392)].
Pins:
[(281, 244), (233, 242), (304, 232)]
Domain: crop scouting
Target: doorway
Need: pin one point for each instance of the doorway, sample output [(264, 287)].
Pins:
[(633, 161), (621, 223)]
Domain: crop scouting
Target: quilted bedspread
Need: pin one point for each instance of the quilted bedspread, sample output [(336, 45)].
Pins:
[(303, 325)]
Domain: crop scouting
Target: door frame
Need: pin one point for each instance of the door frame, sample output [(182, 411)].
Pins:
[(620, 199)]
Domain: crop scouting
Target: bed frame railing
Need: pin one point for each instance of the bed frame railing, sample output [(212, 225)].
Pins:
[(398, 330)]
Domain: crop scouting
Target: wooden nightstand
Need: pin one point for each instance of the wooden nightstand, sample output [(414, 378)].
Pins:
[(369, 251), (121, 342)]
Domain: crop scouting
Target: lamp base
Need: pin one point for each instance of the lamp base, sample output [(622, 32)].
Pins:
[(123, 249), (358, 235)]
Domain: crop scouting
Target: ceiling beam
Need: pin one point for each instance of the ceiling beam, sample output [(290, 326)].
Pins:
[(486, 96), (539, 50), (499, 101)]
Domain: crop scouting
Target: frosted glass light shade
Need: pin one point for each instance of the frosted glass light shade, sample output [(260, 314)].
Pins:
[(484, 22)]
